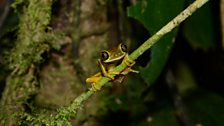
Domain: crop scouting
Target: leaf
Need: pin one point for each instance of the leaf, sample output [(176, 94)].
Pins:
[(203, 108), (165, 117), (199, 29), (161, 115), (153, 14), (206, 109)]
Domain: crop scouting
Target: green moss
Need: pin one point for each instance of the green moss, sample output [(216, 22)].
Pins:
[(32, 42)]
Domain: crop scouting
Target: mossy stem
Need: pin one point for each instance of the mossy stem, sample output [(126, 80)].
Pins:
[(156, 37), (139, 51)]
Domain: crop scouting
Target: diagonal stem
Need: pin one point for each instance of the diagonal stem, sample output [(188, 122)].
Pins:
[(71, 110), (156, 37)]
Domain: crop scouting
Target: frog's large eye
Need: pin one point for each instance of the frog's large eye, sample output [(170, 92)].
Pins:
[(104, 55), (124, 48)]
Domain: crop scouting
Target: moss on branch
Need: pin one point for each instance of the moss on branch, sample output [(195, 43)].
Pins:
[(65, 113)]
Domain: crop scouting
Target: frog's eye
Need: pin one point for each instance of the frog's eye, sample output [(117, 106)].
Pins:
[(104, 55), (124, 48)]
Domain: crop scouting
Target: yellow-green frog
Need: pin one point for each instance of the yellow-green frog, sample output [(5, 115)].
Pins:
[(110, 59)]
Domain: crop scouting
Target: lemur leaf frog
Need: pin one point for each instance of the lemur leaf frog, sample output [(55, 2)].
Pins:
[(110, 59)]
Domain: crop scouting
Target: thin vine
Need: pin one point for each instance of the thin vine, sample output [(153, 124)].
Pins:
[(65, 113), (72, 108)]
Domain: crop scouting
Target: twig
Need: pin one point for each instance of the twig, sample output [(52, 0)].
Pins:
[(71, 110), (65, 113)]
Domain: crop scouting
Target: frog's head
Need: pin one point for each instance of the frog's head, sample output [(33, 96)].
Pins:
[(114, 54)]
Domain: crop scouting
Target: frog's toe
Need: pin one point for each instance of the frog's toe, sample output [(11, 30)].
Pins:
[(95, 87), (134, 71), (127, 61), (111, 76), (128, 70)]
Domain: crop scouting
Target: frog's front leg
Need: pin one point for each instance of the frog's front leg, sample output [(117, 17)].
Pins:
[(106, 72), (129, 63)]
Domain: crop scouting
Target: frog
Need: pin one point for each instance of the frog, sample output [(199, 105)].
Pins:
[(109, 59)]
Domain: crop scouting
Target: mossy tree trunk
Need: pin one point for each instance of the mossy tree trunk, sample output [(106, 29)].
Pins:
[(32, 42)]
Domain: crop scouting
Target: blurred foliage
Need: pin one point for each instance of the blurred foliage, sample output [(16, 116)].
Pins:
[(199, 29), (155, 14), (206, 108)]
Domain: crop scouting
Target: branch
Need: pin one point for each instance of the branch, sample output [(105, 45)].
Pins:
[(155, 38), (65, 113), (133, 56)]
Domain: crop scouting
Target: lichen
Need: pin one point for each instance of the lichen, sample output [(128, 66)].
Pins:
[(31, 44)]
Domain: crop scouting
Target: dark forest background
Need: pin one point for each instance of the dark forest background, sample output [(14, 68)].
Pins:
[(49, 47)]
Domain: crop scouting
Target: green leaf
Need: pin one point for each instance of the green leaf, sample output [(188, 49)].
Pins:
[(162, 115), (154, 14), (206, 109), (199, 29), (165, 117)]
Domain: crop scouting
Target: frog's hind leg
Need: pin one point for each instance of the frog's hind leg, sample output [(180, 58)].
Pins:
[(94, 78)]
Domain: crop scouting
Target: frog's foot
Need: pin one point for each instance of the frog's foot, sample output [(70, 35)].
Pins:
[(127, 70), (129, 63), (111, 74)]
